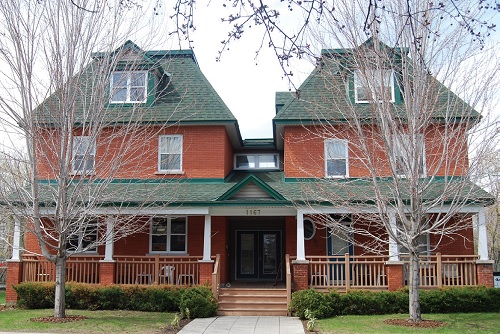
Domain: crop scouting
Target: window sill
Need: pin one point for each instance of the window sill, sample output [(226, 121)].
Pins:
[(167, 254), (90, 173), (170, 172)]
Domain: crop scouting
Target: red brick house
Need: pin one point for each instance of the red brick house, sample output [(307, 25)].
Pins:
[(237, 213)]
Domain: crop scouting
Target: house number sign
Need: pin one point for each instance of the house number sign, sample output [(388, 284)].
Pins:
[(253, 212)]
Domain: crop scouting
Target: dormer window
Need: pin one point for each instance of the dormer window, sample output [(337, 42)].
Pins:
[(129, 87), (255, 161), (370, 84)]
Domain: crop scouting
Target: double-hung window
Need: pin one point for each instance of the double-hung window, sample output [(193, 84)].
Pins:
[(336, 158), (129, 87), (84, 239), (168, 235), (83, 155), (170, 153), (373, 85), (409, 154)]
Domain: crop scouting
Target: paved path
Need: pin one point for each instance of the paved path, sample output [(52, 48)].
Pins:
[(244, 325)]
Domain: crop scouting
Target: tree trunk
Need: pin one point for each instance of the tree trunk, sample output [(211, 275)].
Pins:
[(414, 286), (60, 293)]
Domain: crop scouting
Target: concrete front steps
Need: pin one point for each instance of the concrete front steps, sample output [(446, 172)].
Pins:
[(252, 301)]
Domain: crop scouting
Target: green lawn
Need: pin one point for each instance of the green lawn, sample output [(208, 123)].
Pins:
[(2, 297), (462, 323), (97, 322)]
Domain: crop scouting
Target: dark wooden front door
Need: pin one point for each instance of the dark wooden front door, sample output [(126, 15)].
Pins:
[(258, 255)]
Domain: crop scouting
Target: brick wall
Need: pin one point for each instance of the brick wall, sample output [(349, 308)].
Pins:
[(207, 153), (484, 270), (304, 151), (300, 276)]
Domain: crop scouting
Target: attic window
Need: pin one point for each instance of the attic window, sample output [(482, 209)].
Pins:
[(129, 87), (372, 84), (255, 161)]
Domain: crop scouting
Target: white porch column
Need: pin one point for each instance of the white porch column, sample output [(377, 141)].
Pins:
[(16, 242), (207, 240), (482, 235), (110, 243), (301, 250), (393, 245)]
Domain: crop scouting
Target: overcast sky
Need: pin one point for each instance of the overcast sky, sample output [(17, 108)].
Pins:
[(247, 85)]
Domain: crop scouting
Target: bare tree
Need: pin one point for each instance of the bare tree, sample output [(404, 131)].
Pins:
[(59, 110), (399, 159), (271, 20)]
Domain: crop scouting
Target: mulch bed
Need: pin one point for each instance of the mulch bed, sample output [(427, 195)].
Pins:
[(68, 318), (174, 330), (419, 324)]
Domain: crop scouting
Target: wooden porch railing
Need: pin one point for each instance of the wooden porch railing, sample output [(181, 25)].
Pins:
[(369, 272), (438, 270), (216, 277), (178, 270), (81, 269), (348, 271)]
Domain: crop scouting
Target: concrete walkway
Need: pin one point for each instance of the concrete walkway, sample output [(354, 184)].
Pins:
[(244, 325)]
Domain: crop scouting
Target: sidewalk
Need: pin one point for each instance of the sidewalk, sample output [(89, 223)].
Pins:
[(244, 325)]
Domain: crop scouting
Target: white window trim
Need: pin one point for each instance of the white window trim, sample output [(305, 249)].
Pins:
[(129, 87), (344, 141), (87, 152), (395, 156), (169, 221), (170, 171), (356, 85), (256, 156)]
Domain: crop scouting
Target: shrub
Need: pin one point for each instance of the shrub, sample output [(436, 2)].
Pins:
[(357, 302), (199, 301), (35, 295), (316, 302), (463, 300), (97, 297)]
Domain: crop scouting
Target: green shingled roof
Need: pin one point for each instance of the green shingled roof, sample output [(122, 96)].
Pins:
[(182, 93), (328, 91), (284, 192)]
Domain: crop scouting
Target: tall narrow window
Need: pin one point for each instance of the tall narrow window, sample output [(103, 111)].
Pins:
[(170, 153), (168, 235), (83, 154), (336, 158), (129, 87), (408, 154), (374, 85)]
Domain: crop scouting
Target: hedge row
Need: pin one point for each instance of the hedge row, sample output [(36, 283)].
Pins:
[(357, 302), (199, 300)]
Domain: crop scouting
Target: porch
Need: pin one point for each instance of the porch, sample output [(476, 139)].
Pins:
[(378, 273), (320, 272)]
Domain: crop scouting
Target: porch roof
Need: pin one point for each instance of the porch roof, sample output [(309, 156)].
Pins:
[(281, 191)]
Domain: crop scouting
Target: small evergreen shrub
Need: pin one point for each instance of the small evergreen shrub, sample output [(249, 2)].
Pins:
[(316, 302), (357, 302), (33, 295), (463, 300), (199, 302)]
